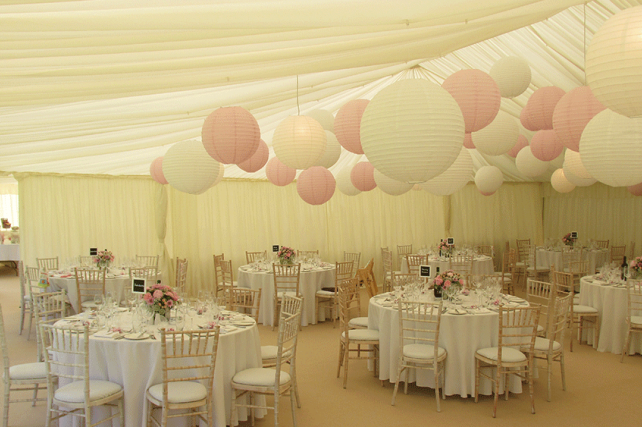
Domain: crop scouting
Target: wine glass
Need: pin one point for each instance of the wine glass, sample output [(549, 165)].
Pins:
[(98, 302)]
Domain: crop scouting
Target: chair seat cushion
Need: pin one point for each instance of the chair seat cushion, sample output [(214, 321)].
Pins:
[(358, 322), (269, 351), (325, 293), (509, 354), (28, 371), (282, 293), (584, 309), (88, 304), (422, 351), (363, 335), (540, 329), (180, 392), (74, 392), (542, 344), (634, 319), (262, 377)]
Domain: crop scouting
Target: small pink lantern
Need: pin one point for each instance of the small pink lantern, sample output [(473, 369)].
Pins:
[(521, 143), (316, 185), (278, 173), (546, 145), (156, 171), (231, 135), (572, 114), (362, 176), (477, 95), (347, 125), (468, 141), (636, 190), (540, 107), (258, 159)]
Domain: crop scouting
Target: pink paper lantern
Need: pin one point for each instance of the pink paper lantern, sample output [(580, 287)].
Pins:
[(362, 176), (468, 141), (540, 107), (478, 97), (231, 135), (521, 143), (278, 173), (258, 159), (347, 125), (316, 185), (156, 171), (546, 145), (572, 113), (636, 190)]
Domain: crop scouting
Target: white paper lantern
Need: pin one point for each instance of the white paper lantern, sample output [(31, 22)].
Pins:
[(488, 179), (528, 165), (614, 60), (391, 186), (455, 177), (299, 142), (221, 174), (499, 136), (189, 168), (324, 117), (332, 151), (512, 75), (560, 183), (412, 130), (574, 170), (344, 183), (611, 149)]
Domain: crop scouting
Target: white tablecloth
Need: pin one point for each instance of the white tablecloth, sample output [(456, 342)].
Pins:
[(482, 265), (9, 252), (610, 302), (136, 365), (460, 335), (596, 258), (310, 282)]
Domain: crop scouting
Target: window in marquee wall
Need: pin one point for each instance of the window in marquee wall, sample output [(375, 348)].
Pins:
[(9, 208)]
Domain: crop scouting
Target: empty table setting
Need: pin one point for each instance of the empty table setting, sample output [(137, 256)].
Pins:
[(549, 256)]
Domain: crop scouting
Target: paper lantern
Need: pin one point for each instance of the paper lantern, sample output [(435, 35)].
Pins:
[(156, 170), (332, 151), (477, 95), (416, 187), (468, 141), (455, 177), (611, 149), (278, 173), (231, 135), (219, 177), (258, 159), (315, 185), (189, 168), (412, 130), (574, 170), (499, 136), (324, 117), (362, 176), (484, 193), (636, 190), (299, 142), (389, 185), (344, 183), (512, 75), (528, 165), (614, 60), (538, 113), (488, 179), (545, 145), (573, 111), (560, 183), (521, 143), (347, 125)]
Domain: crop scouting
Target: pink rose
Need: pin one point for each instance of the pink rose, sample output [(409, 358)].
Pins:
[(438, 280), (169, 303), (158, 294), (449, 274), (447, 283), (148, 298)]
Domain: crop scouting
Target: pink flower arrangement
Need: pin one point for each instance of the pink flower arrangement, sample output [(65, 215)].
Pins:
[(286, 255), (636, 264), (6, 223), (568, 240), (160, 299), (447, 279), (104, 258)]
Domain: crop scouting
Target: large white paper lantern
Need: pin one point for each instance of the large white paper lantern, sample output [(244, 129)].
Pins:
[(528, 165), (614, 60), (488, 179), (499, 136), (560, 183), (574, 170), (455, 177), (189, 168), (512, 75), (391, 186), (219, 177), (324, 117), (412, 130), (611, 149), (344, 183), (332, 151), (299, 142)]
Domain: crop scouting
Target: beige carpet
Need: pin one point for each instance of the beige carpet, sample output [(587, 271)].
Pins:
[(601, 391)]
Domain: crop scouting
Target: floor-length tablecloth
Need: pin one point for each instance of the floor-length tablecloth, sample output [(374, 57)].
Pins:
[(482, 265), (549, 257)]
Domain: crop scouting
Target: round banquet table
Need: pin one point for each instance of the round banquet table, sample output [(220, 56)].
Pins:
[(460, 335), (610, 301), (136, 365), (547, 257), (311, 280), (482, 264)]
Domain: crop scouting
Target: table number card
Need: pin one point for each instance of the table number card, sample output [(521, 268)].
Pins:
[(275, 248), (93, 251), (574, 235), (138, 285), (424, 271), (451, 241)]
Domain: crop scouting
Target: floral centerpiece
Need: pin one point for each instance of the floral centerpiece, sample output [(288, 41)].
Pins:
[(160, 299), (104, 259), (286, 255), (568, 240), (447, 280), (5, 223), (445, 248), (635, 267)]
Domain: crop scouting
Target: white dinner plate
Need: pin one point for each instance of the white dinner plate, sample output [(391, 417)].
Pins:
[(136, 337), (243, 322)]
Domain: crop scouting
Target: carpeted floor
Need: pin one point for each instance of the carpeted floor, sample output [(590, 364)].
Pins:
[(601, 390)]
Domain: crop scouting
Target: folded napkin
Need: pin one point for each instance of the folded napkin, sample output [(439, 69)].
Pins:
[(106, 334)]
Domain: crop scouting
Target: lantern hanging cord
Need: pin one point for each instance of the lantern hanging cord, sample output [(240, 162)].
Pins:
[(298, 110)]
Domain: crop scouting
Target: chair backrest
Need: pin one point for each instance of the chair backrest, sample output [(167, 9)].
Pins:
[(386, 262), (47, 263), (485, 250), (355, 257), (286, 278), (462, 264), (563, 281), (291, 305), (367, 279), (349, 303), (48, 308), (419, 324), (509, 271), (517, 328), (86, 261), (344, 271), (217, 268), (66, 353), (147, 261), (226, 282), (5, 352), (415, 261), (603, 244), (543, 294), (557, 319), (307, 254), (402, 279), (251, 257), (634, 299), (289, 325), (89, 282), (402, 250), (569, 256), (31, 279), (618, 253), (523, 249), (148, 273), (247, 299), (181, 275)]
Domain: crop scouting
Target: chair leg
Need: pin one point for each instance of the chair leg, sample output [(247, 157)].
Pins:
[(394, 393), (296, 387), (121, 411), (29, 331), (346, 358), (477, 366), (549, 375), (405, 383), (5, 418), (531, 388), (316, 308), (233, 413), (340, 360), (35, 395), (625, 348), (437, 389), (293, 405), (496, 387), (563, 373), (22, 316)]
